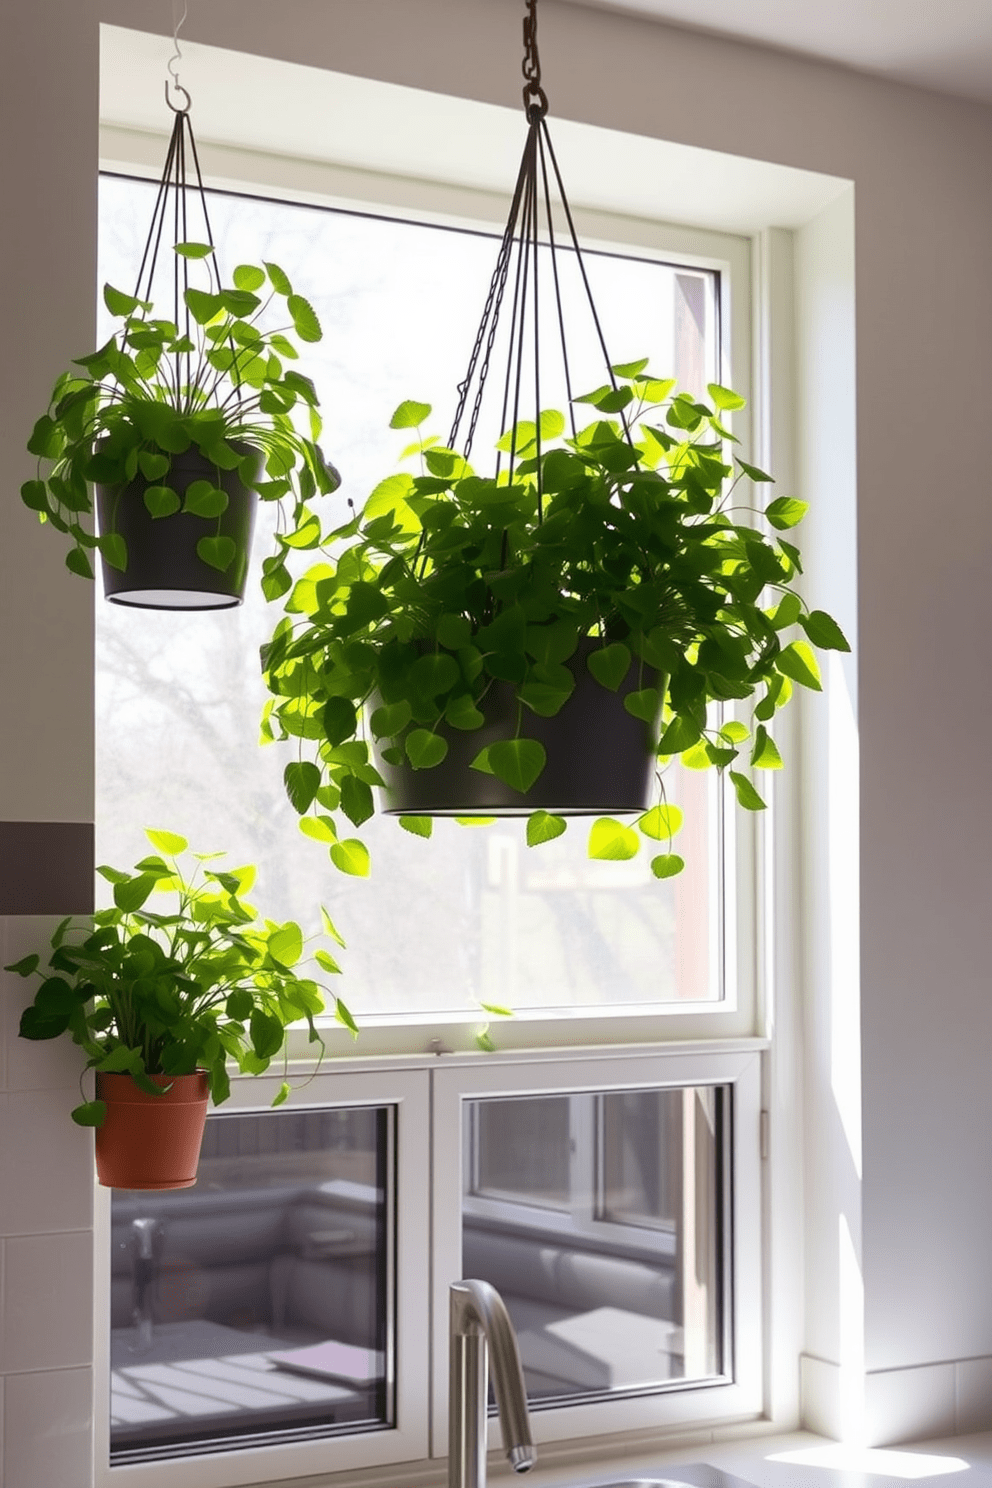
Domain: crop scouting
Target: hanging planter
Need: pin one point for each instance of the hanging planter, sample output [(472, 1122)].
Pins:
[(159, 1002), (473, 641), (183, 419), (165, 568), (600, 759)]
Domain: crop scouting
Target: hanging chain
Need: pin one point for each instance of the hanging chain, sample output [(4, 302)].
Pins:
[(534, 95)]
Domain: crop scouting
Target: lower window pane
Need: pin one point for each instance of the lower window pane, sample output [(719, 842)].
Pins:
[(613, 1274), (256, 1307)]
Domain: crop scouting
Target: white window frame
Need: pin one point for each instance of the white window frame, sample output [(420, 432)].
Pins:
[(407, 1439), (670, 1067)]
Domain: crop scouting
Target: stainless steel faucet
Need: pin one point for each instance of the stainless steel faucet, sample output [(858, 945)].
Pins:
[(478, 1317)]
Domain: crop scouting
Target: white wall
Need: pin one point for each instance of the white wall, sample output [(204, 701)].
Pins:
[(920, 164)]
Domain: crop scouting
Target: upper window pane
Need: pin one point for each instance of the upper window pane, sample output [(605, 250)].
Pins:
[(475, 916)]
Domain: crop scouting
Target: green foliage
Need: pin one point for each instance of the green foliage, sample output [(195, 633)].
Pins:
[(166, 993), (623, 537), (215, 384)]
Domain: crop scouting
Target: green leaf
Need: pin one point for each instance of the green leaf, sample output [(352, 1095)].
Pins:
[(484, 1041), (824, 631), (339, 720), (645, 704), (193, 250), (239, 1004), (786, 612), (24, 967), (166, 842), (785, 512), (517, 762), (609, 665), (462, 713), (161, 501), (661, 822), (77, 562), (153, 464), (132, 893), (434, 673), (90, 1113), (481, 762), (216, 552), (356, 800), (352, 857), (418, 826), (203, 307), (386, 722), (765, 755), (267, 1034), (409, 415), (305, 322), (286, 944), (117, 302), (747, 796), (725, 398), (282, 1094), (453, 631), (798, 662), (329, 927), (667, 865), (301, 779), (630, 369), (34, 494), (425, 749), (320, 828), (680, 734), (278, 279), (611, 840), (204, 499), (114, 549), (734, 731), (542, 826), (753, 471), (249, 276)]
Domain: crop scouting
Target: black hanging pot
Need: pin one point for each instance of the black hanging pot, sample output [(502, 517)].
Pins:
[(164, 569), (599, 757)]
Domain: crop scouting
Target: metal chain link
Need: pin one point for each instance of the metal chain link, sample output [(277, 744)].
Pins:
[(534, 95)]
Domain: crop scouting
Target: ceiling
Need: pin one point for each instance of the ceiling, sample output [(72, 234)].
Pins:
[(942, 44)]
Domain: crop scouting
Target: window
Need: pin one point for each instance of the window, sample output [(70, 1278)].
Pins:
[(179, 696), (631, 1174)]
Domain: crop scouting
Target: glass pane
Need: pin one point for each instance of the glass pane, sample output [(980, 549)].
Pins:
[(476, 916), (615, 1281), (255, 1306)]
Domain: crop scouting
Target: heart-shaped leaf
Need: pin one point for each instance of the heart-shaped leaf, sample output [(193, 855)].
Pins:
[(161, 501), (462, 713), (611, 840), (339, 720), (542, 826), (824, 631), (798, 662), (114, 549), (418, 826), (352, 857), (204, 499), (667, 865), (661, 822), (645, 704), (167, 842), (517, 762), (390, 719), (302, 779), (747, 796), (216, 552), (609, 665), (425, 749), (152, 464)]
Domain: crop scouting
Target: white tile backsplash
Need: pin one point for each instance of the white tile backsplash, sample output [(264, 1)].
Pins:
[(47, 1316), (46, 1164), (48, 1440)]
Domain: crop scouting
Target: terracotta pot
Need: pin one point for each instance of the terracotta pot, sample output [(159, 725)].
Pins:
[(151, 1141), (164, 570), (600, 759)]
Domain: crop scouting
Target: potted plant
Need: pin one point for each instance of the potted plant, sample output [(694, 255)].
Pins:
[(464, 627), (160, 1001), (179, 426)]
